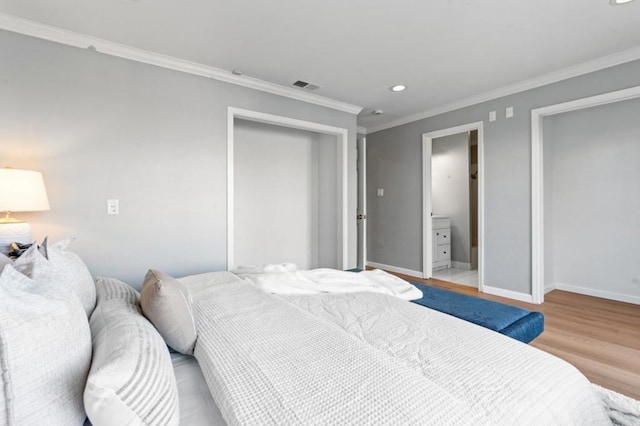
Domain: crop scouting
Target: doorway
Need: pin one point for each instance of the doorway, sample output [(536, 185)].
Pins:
[(336, 212), (452, 205), (603, 174)]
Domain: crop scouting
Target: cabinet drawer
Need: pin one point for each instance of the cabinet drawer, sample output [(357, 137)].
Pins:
[(443, 252), (440, 223), (442, 236)]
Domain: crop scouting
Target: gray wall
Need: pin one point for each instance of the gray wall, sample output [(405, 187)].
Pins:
[(592, 198), (100, 127), (450, 190), (285, 196), (395, 161)]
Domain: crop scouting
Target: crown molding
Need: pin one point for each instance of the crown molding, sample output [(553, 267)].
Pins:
[(543, 80), (362, 130), (83, 41)]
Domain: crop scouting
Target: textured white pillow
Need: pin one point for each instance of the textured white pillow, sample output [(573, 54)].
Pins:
[(45, 353), (63, 268), (166, 302), (4, 260), (131, 381), (68, 267)]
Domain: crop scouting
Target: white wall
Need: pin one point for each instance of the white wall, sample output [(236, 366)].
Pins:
[(100, 127), (450, 190), (285, 196), (592, 200)]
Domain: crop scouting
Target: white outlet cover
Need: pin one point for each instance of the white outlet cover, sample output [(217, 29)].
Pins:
[(509, 112), (492, 116), (380, 192)]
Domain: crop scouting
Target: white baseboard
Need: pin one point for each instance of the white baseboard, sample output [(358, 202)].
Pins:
[(549, 288), (460, 265), (620, 297), (523, 297), (411, 273)]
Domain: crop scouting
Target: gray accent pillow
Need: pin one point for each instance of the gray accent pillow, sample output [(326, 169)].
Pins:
[(45, 352), (131, 381), (167, 303)]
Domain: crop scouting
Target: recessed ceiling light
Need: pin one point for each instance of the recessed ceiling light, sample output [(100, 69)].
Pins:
[(619, 2), (398, 88)]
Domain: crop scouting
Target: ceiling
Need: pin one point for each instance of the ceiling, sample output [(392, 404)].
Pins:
[(442, 50)]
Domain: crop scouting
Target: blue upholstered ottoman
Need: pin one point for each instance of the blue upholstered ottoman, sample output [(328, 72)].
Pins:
[(511, 321)]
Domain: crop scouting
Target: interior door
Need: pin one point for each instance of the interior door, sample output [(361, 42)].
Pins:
[(362, 202)]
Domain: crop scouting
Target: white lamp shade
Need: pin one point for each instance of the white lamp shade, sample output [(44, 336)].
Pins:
[(22, 191)]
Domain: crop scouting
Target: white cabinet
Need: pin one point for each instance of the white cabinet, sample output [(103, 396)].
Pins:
[(441, 242)]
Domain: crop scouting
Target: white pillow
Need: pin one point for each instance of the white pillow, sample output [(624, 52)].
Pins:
[(131, 381), (166, 302), (69, 268), (4, 260), (63, 268), (45, 353)]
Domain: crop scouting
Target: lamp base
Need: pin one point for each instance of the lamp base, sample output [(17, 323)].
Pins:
[(10, 232)]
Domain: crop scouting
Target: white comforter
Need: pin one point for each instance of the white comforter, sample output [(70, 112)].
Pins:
[(286, 279), (367, 358)]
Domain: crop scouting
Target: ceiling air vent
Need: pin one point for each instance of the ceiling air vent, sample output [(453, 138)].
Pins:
[(306, 86)]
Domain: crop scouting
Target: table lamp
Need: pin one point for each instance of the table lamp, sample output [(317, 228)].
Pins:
[(20, 191)]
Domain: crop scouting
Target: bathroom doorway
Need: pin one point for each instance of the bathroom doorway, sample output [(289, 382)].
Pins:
[(453, 205)]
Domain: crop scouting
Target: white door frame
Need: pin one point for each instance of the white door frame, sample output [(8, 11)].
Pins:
[(362, 201), (341, 134), (427, 140), (537, 175)]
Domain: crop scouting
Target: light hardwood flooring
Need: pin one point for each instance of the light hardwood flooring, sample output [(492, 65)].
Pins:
[(600, 337)]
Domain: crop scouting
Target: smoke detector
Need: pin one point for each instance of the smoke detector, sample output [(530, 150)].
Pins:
[(378, 112)]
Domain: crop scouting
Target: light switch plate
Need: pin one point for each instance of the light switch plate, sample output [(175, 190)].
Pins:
[(113, 207), (380, 192), (492, 116), (509, 112)]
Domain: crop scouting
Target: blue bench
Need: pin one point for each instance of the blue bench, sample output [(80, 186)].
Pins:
[(518, 323)]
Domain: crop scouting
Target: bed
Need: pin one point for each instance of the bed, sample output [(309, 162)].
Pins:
[(322, 353), (367, 357)]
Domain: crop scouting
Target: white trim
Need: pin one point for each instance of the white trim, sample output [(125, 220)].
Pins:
[(427, 139), (83, 41), (620, 297), (361, 130), (362, 200), (537, 175), (230, 193), (549, 288), (261, 117), (625, 56), (509, 294), (427, 223), (409, 272), (461, 265)]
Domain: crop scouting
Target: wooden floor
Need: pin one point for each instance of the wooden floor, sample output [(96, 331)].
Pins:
[(600, 337)]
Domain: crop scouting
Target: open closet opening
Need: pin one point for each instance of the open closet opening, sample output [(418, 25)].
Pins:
[(584, 197), (285, 196), (286, 191), (591, 201)]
